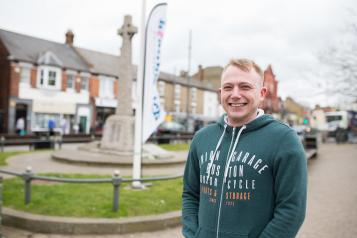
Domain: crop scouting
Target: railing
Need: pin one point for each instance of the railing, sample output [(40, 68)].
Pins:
[(116, 181), (35, 142)]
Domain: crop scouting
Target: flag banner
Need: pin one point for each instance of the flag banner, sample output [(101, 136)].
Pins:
[(153, 113)]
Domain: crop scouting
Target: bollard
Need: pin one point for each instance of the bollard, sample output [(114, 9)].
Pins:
[(27, 176), (116, 189), (2, 143)]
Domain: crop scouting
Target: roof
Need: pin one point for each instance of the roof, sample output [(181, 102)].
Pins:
[(100, 63), (35, 50), (31, 49)]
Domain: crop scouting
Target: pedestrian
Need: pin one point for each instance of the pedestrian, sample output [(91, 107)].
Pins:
[(76, 128), (245, 175), (51, 127), (20, 126), (64, 126)]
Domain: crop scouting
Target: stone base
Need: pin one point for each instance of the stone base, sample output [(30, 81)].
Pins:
[(118, 134), (98, 157), (150, 151)]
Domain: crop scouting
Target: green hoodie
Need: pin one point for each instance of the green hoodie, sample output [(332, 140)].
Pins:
[(254, 187)]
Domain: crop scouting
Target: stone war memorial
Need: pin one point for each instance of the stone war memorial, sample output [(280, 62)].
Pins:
[(119, 128), (117, 144)]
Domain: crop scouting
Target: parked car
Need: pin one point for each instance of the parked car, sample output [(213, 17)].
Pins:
[(167, 131), (339, 125), (302, 130), (170, 127), (308, 138)]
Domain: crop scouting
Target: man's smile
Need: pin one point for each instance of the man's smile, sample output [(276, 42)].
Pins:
[(235, 104)]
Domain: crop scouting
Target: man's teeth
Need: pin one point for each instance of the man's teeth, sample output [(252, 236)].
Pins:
[(237, 104)]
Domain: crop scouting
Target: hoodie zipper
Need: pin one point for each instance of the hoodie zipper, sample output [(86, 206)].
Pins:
[(223, 182)]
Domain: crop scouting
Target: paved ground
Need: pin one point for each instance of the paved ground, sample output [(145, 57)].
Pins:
[(332, 197)]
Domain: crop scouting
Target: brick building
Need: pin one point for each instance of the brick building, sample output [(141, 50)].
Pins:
[(271, 103), (42, 80)]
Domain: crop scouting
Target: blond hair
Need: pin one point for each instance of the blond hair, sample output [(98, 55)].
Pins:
[(245, 65)]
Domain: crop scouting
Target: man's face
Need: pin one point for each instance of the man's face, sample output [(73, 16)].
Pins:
[(240, 94)]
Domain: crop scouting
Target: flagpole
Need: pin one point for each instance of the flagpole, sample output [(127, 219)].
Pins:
[(139, 104)]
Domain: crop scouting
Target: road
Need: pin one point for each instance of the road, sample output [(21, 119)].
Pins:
[(332, 197)]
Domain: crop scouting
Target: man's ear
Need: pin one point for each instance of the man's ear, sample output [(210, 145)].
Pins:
[(263, 92), (219, 95)]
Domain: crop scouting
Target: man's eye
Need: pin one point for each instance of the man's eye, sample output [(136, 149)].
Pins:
[(227, 88), (245, 87)]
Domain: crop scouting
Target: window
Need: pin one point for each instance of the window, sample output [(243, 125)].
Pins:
[(25, 74), (193, 109), (106, 87), (161, 88), (42, 77), (41, 120), (193, 94), (177, 106), (162, 102), (85, 83), (49, 77), (70, 81), (177, 91)]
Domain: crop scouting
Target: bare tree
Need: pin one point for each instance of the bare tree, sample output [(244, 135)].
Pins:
[(341, 59)]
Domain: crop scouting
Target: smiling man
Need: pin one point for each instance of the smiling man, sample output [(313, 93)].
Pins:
[(245, 175)]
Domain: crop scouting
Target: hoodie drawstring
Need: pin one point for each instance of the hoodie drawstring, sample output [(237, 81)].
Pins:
[(215, 151), (232, 153)]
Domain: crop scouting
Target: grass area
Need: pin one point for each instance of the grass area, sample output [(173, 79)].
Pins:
[(175, 147), (5, 155), (92, 200)]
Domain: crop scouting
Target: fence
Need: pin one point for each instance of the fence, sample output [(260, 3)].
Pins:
[(116, 181), (50, 142), (43, 142)]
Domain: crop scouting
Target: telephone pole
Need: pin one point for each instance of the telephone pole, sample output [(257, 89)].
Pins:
[(188, 80)]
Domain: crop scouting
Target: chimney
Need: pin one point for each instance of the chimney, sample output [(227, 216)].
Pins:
[(183, 74), (69, 38), (200, 73)]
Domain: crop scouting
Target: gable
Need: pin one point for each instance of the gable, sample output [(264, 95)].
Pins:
[(49, 58)]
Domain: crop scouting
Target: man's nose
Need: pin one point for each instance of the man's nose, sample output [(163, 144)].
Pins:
[(236, 92)]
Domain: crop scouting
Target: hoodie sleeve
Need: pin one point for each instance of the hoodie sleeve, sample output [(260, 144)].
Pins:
[(191, 194), (290, 189)]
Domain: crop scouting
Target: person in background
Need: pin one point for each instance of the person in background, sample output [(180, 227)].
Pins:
[(246, 175), (64, 126), (20, 126), (51, 126)]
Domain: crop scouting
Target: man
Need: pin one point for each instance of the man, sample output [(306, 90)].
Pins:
[(246, 174)]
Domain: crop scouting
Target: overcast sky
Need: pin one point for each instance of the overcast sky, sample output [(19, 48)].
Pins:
[(289, 35)]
